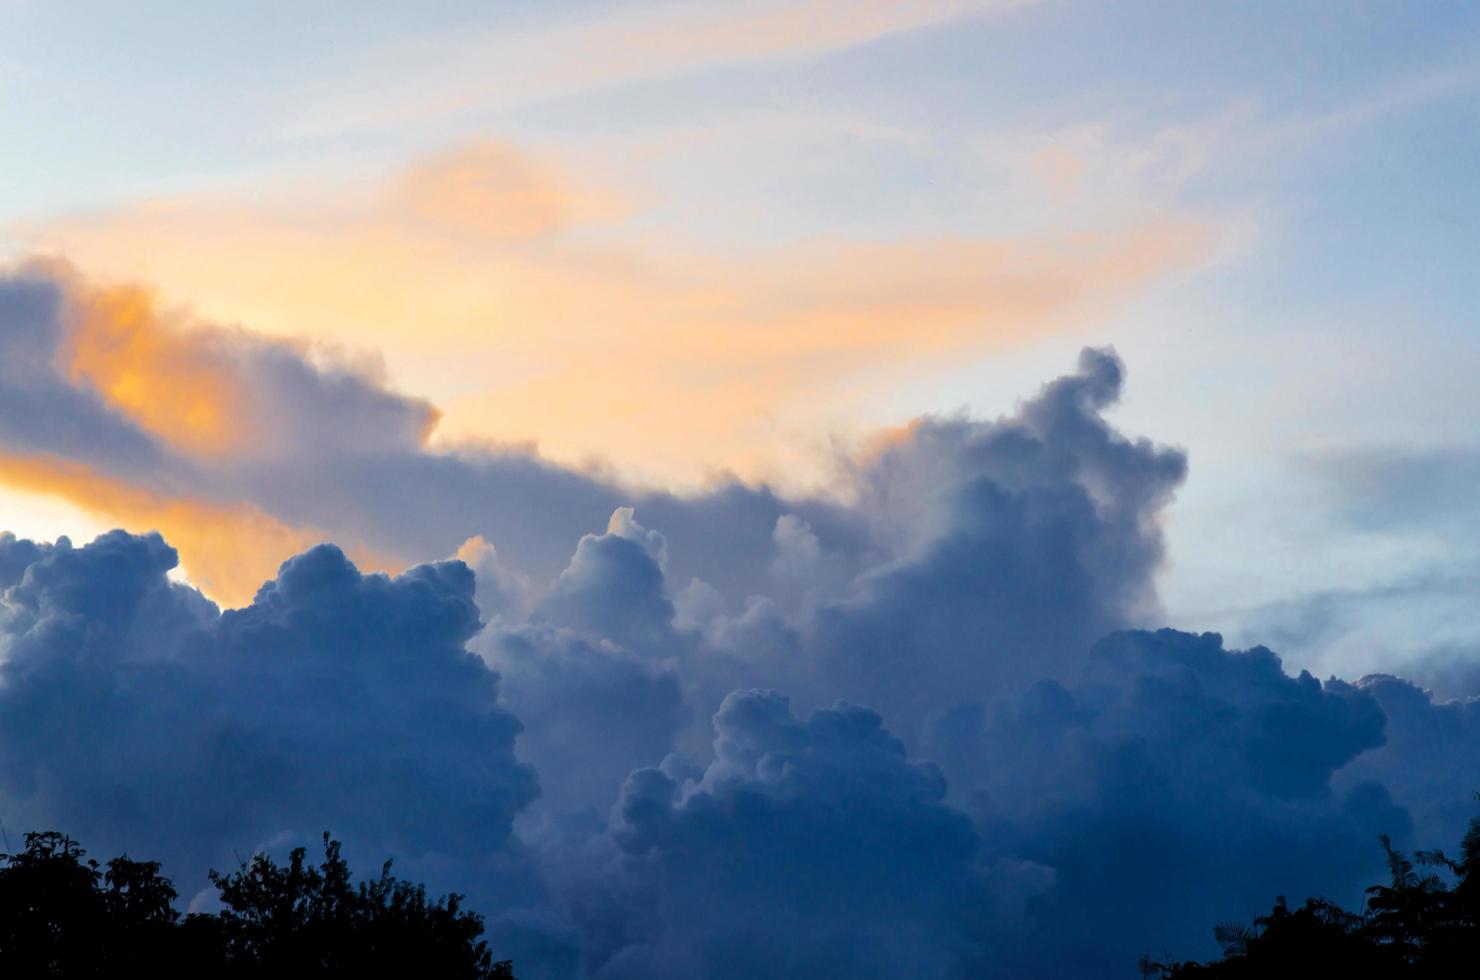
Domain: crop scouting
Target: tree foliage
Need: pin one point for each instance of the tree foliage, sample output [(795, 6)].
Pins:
[(61, 915), (1424, 922)]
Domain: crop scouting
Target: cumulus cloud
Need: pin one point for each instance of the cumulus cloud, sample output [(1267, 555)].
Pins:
[(1173, 784), (805, 848), (614, 588), (138, 716), (616, 720), (977, 557), (1170, 786), (1025, 539), (593, 711), (292, 445), (593, 665), (1431, 760)]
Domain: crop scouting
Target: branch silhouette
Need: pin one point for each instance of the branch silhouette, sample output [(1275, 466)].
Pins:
[(61, 915), (1423, 923)]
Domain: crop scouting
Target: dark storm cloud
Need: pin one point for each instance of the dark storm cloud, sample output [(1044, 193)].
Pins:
[(1431, 761), (805, 848), (592, 712), (17, 555), (1171, 784), (1005, 548), (1168, 788), (136, 715), (999, 793), (1174, 784)]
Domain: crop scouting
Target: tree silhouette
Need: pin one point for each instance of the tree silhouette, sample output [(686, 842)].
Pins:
[(61, 916), (1423, 923)]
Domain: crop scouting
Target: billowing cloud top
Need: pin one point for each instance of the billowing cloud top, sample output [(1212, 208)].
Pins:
[(136, 713), (615, 718)]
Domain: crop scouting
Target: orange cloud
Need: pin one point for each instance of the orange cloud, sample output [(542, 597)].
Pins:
[(492, 190), (227, 550), (167, 381), (478, 275), (727, 363)]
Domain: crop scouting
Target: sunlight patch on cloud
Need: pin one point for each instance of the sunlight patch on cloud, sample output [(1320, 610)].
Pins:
[(167, 382)]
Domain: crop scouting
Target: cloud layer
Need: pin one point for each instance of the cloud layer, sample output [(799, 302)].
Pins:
[(532, 302), (614, 718), (137, 713), (1170, 782)]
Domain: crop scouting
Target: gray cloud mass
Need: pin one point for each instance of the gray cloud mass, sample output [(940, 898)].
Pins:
[(915, 727)]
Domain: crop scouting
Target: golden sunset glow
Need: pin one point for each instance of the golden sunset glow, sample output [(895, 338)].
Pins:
[(167, 381), (471, 273), (227, 550)]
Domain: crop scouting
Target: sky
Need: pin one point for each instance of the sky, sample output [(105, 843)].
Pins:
[(719, 340), (787, 226)]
